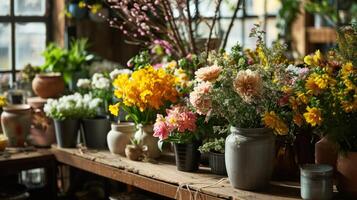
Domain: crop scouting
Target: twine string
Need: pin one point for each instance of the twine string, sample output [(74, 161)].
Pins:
[(195, 195)]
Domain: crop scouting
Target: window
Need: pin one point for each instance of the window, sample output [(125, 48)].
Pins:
[(24, 31), (252, 12)]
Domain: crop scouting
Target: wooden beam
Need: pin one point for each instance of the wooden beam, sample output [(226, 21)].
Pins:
[(58, 21), (321, 35)]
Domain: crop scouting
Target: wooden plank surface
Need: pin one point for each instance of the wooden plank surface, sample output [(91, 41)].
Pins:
[(14, 160), (164, 179)]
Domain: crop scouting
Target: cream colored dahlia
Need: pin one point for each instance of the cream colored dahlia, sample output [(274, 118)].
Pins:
[(248, 84), (210, 73), (200, 98)]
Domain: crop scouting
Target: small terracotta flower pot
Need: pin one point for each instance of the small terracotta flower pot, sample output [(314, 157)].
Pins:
[(48, 85), (347, 174), (133, 152)]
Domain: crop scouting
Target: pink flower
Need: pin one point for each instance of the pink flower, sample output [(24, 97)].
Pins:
[(158, 66), (161, 129), (200, 98), (210, 73), (187, 122)]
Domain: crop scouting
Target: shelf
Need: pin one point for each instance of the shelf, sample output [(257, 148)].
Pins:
[(163, 178), (321, 35)]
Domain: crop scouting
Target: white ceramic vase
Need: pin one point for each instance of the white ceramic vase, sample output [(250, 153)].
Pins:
[(144, 135), (119, 136)]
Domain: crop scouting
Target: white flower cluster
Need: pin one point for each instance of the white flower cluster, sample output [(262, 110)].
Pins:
[(99, 81), (84, 83), (116, 72), (72, 106)]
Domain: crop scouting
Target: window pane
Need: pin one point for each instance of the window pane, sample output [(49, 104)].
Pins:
[(5, 46), (255, 7), (248, 25), (207, 8), (30, 7), (271, 31), (228, 7), (235, 36), (5, 7), (273, 7), (30, 43)]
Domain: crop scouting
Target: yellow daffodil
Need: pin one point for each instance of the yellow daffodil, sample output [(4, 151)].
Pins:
[(114, 109), (146, 88)]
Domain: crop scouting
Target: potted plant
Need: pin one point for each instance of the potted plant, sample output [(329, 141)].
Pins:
[(327, 99), (215, 148), (143, 94), (95, 126), (48, 85), (135, 151), (66, 113), (69, 62), (244, 90), (179, 126)]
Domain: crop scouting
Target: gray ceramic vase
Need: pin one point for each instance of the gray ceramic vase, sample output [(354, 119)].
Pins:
[(249, 157), (67, 132), (95, 132)]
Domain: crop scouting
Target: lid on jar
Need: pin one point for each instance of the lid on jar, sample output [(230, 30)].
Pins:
[(316, 170)]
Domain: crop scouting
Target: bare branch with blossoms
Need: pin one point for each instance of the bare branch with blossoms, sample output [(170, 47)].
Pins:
[(147, 21)]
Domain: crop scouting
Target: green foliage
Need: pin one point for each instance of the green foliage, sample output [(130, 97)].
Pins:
[(29, 72), (68, 61), (347, 42), (323, 8), (286, 16), (140, 60), (228, 104), (213, 145)]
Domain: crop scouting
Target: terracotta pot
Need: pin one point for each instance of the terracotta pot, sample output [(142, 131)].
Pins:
[(347, 174), (42, 133), (326, 152), (134, 152), (48, 85), (16, 122)]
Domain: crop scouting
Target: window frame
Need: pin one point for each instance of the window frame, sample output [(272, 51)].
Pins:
[(12, 19), (241, 18)]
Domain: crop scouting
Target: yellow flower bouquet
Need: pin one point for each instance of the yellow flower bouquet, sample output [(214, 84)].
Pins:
[(144, 93), (327, 98)]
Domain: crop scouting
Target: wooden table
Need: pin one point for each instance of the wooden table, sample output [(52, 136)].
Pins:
[(164, 179), (18, 160)]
